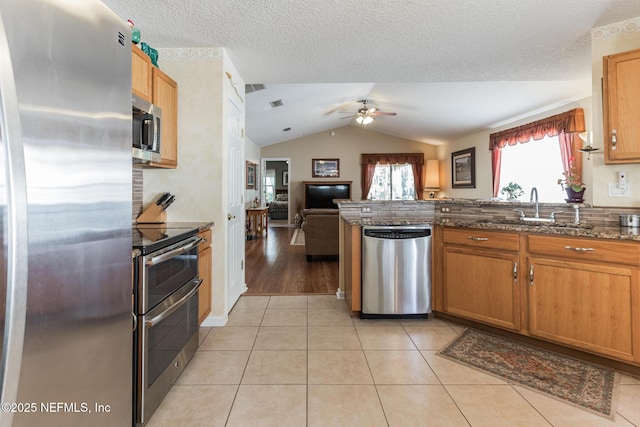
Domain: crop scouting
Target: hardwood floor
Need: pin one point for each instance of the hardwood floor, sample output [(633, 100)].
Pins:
[(274, 267)]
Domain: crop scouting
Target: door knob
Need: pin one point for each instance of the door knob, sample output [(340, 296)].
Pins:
[(230, 217)]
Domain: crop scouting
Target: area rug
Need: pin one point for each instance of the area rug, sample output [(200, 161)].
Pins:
[(585, 385), (298, 237)]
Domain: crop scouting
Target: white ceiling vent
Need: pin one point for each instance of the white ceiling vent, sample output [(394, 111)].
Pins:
[(277, 103), (253, 88)]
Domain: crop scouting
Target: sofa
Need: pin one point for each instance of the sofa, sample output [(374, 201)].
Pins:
[(321, 232)]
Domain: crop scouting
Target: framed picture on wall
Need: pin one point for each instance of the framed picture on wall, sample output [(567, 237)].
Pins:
[(285, 178), (325, 168), (251, 176), (463, 168)]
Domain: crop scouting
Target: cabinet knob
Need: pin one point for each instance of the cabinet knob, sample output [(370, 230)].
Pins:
[(230, 217), (614, 139)]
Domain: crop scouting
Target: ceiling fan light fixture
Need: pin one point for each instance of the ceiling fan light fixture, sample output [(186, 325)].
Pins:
[(364, 120)]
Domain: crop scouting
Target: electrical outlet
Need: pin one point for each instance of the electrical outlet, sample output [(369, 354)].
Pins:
[(616, 191)]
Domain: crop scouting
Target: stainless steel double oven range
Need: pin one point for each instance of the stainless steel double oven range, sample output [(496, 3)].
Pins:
[(165, 304)]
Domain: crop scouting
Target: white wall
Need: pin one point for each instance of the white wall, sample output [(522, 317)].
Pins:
[(198, 182), (252, 154), (347, 145), (480, 140), (614, 38), (608, 40)]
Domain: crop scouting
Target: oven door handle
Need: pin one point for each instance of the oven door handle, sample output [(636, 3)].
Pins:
[(174, 252), (160, 317)]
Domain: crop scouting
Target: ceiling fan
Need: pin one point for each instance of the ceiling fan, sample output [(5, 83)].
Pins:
[(365, 114)]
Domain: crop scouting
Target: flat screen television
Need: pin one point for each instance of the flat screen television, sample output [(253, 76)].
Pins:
[(321, 196)]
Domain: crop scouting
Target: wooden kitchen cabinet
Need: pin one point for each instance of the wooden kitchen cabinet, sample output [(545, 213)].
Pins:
[(585, 293), (165, 96), (480, 274), (350, 264), (152, 84), (141, 74), (204, 269), (621, 107)]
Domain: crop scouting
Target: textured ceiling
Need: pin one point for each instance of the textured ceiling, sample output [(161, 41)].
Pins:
[(447, 67)]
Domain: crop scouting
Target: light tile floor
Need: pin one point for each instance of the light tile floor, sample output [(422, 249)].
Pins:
[(303, 361)]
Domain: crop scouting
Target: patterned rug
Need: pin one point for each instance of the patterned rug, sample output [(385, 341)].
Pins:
[(591, 387), (298, 237)]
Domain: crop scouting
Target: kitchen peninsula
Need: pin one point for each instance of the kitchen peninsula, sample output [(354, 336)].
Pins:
[(576, 285)]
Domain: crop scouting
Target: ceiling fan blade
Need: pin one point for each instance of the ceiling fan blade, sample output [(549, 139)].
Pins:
[(382, 113), (339, 107), (348, 117)]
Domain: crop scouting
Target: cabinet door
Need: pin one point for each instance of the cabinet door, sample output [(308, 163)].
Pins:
[(204, 293), (585, 305), (141, 74), (165, 96), (482, 285), (621, 102), (351, 264)]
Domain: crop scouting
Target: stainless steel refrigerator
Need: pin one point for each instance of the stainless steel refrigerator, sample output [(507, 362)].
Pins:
[(65, 214)]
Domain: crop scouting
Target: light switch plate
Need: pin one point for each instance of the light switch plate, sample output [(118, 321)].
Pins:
[(615, 191)]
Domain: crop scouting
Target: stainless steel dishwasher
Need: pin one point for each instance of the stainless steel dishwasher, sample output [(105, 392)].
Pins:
[(396, 271)]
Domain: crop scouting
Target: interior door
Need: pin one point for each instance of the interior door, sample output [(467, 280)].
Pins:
[(235, 201)]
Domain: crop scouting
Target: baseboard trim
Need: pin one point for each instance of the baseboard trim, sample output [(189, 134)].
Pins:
[(215, 321)]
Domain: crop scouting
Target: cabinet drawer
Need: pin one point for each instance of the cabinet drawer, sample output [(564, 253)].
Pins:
[(206, 235), (482, 238), (585, 249)]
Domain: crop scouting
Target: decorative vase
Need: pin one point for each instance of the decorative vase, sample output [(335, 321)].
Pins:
[(574, 196)]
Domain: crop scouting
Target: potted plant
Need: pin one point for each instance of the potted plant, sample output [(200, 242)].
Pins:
[(572, 184), (512, 191)]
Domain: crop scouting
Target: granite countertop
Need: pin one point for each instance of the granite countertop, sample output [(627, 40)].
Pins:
[(558, 229), (388, 221), (201, 226)]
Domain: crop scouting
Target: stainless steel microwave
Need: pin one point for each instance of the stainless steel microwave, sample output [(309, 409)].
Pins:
[(147, 121)]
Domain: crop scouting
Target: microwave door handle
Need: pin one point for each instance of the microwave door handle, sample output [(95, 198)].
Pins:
[(156, 133), (160, 317), (174, 253)]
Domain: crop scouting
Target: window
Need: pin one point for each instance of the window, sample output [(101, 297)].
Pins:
[(392, 182), (556, 138), (269, 185), (534, 164)]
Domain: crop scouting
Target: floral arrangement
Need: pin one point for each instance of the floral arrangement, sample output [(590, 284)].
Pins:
[(571, 179)]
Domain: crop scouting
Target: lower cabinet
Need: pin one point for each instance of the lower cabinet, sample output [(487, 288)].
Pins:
[(204, 269), (480, 276), (587, 298), (350, 264), (583, 293)]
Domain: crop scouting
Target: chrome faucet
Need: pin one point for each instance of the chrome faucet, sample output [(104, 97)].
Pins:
[(534, 190)]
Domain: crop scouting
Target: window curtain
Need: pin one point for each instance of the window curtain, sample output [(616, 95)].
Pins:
[(369, 162), (564, 126)]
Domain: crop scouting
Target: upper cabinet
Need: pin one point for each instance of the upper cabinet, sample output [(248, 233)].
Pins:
[(621, 106), (152, 84), (141, 74)]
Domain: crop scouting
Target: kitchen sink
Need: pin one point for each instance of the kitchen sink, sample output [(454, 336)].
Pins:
[(532, 223)]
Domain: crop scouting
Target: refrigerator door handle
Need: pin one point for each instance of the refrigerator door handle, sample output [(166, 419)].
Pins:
[(17, 241)]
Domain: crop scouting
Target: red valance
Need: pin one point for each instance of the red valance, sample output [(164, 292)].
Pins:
[(569, 121), (392, 158)]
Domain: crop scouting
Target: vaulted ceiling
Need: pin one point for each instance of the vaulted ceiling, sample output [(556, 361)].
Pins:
[(446, 67)]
